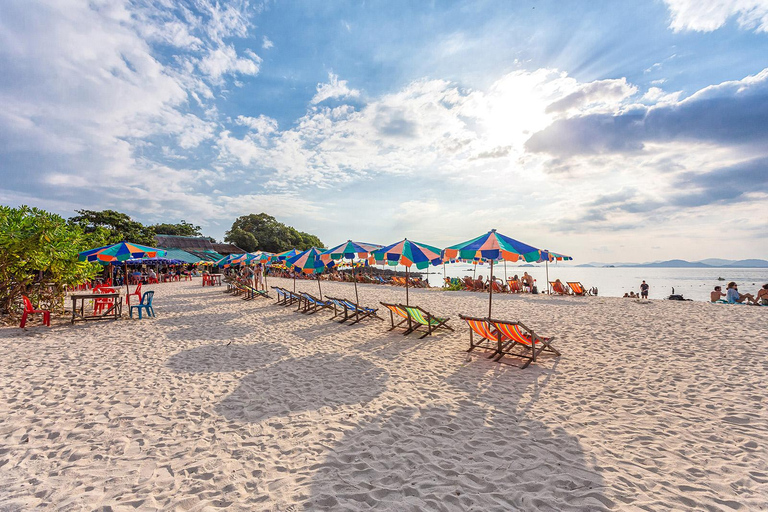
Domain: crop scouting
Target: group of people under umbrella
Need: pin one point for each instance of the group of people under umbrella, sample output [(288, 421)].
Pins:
[(491, 247)]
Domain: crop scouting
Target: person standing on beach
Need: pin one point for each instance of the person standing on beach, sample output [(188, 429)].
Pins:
[(644, 290)]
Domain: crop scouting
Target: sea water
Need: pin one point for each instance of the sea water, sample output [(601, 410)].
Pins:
[(692, 283)]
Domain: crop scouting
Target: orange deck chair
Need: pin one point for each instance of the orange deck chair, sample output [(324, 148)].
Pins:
[(397, 310), (518, 336), (558, 288), (489, 337), (577, 287)]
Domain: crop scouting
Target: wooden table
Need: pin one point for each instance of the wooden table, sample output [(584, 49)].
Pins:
[(114, 311)]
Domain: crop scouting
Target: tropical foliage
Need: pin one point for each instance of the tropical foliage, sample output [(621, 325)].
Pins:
[(38, 257), (183, 228), (110, 227), (263, 232)]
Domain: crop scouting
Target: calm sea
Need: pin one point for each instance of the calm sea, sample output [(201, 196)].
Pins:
[(693, 283)]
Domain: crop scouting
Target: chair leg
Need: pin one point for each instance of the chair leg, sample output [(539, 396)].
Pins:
[(47, 318), (23, 320)]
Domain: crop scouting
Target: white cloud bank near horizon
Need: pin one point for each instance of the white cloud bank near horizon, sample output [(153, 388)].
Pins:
[(94, 116)]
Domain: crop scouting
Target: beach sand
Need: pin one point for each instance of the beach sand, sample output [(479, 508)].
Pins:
[(220, 403)]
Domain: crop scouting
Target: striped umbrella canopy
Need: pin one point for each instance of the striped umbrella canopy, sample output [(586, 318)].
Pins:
[(349, 250), (493, 246), (119, 252), (553, 256), (231, 259), (283, 256), (122, 251), (308, 262), (408, 253), (262, 256)]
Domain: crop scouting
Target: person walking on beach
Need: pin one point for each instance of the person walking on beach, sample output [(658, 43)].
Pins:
[(644, 290)]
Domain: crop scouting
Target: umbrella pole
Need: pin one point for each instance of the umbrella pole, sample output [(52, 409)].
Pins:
[(354, 278), (294, 281), (546, 265), (125, 278), (443, 274), (406, 287), (505, 271), (318, 287), (490, 294)]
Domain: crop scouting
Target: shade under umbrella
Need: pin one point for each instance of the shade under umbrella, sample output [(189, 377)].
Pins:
[(349, 250), (408, 253)]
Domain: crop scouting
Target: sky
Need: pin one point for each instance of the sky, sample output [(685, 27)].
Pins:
[(607, 130)]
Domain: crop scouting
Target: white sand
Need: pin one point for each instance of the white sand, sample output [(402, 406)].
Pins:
[(656, 406)]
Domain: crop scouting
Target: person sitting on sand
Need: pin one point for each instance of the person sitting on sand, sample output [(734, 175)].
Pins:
[(632, 295), (762, 295), (626, 295), (716, 294), (734, 297)]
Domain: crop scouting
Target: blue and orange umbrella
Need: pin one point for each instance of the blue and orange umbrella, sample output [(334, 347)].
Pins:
[(120, 252), (493, 247), (408, 253), (308, 262), (349, 250)]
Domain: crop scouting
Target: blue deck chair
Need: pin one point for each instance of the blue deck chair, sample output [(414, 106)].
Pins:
[(144, 304)]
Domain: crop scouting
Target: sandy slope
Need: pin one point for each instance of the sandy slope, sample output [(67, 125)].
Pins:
[(220, 403)]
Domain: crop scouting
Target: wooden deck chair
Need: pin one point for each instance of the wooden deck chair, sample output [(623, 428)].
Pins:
[(360, 312), (421, 317), (515, 335), (577, 287), (489, 338), (514, 286), (399, 311), (311, 304), (282, 297), (558, 288), (339, 308)]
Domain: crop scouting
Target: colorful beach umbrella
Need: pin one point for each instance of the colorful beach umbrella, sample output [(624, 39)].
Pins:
[(408, 253), (349, 250), (493, 247), (120, 252), (231, 259), (282, 256), (308, 262)]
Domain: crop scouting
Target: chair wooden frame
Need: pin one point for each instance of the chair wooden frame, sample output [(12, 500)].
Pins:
[(420, 317), (397, 309), (518, 335), (489, 338)]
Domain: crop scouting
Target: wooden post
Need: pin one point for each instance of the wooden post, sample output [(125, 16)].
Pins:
[(490, 295), (354, 279), (318, 287), (406, 287), (546, 265)]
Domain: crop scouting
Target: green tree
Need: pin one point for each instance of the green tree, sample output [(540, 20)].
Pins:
[(38, 257), (183, 228), (110, 227), (264, 232)]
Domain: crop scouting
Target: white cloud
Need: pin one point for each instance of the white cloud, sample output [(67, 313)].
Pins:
[(263, 125), (335, 88), (266, 43), (224, 60), (709, 15)]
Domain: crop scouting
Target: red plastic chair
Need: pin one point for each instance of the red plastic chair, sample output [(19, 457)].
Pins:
[(99, 305), (29, 309), (136, 292)]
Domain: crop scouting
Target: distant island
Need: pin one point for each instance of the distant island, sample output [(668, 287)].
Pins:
[(708, 263)]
